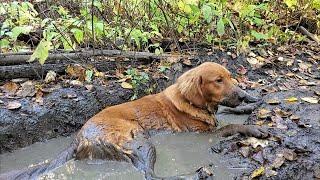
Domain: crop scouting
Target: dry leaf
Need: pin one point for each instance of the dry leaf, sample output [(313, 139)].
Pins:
[(50, 77), (258, 172), (76, 71), (279, 122), (126, 85), (89, 87), (311, 100), (289, 154), (13, 105), (270, 172), (294, 117), (10, 88), (173, 59), (187, 62), (254, 142), (291, 99), (282, 113), (278, 161), (273, 101), (27, 89), (76, 83), (244, 151), (264, 113)]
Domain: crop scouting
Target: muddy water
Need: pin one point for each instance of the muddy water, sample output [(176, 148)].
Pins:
[(176, 154)]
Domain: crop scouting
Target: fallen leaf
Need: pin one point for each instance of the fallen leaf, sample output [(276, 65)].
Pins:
[(173, 59), (50, 77), (76, 71), (294, 117), (76, 83), (89, 87), (126, 85), (311, 100), (99, 74), (289, 154), (279, 122), (258, 172), (13, 105), (316, 172), (187, 62), (291, 99), (242, 70), (269, 172), (291, 133), (252, 61), (27, 89), (244, 151), (281, 113), (10, 88), (280, 58), (264, 113), (278, 161), (260, 123), (258, 157), (273, 101), (254, 142)]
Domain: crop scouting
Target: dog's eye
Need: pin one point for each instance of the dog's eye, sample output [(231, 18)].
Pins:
[(219, 80)]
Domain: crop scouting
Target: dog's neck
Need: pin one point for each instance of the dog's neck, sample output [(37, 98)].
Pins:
[(182, 104)]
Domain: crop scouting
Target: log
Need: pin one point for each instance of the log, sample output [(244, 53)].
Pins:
[(22, 58), (36, 70)]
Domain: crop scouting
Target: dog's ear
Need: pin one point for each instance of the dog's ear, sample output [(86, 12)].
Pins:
[(189, 85)]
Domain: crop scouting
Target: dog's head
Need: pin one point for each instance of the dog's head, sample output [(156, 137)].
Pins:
[(209, 85)]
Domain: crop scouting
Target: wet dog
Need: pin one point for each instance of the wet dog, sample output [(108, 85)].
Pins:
[(121, 132)]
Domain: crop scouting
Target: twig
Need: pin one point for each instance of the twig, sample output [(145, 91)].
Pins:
[(304, 31)]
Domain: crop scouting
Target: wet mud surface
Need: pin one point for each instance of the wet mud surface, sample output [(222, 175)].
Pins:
[(291, 152)]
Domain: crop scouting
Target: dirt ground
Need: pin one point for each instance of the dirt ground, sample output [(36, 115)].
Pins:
[(286, 78)]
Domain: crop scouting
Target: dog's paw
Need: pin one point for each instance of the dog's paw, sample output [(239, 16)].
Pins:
[(256, 131)]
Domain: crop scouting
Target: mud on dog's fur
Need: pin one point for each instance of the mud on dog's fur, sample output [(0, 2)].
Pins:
[(121, 132)]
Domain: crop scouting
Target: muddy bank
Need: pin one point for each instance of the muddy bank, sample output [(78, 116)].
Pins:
[(294, 150)]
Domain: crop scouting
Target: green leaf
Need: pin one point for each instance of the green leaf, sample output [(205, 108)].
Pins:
[(258, 35), (207, 13), (89, 74), (291, 3), (16, 31), (220, 27), (4, 43), (78, 34), (42, 51), (98, 5)]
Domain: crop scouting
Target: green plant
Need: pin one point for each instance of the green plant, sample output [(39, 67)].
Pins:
[(137, 79)]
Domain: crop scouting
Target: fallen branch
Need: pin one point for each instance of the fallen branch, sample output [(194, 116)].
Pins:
[(22, 58), (304, 31)]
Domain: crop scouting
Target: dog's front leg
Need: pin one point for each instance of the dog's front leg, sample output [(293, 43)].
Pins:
[(248, 130)]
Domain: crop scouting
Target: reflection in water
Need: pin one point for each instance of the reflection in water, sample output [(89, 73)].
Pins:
[(176, 154)]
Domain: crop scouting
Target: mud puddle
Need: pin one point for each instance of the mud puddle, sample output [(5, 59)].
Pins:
[(181, 153)]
